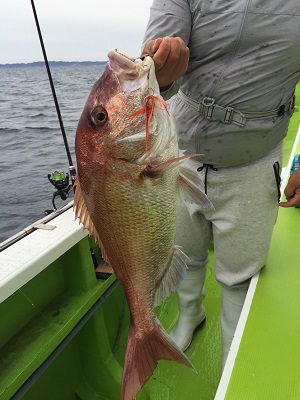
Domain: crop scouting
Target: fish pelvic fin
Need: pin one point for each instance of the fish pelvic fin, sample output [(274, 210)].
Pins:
[(142, 356), (190, 188), (82, 213), (173, 276)]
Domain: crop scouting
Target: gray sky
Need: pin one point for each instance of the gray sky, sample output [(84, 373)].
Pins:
[(73, 30)]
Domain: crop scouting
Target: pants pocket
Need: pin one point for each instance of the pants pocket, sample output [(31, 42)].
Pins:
[(276, 167)]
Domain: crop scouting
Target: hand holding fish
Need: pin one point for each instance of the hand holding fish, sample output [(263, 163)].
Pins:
[(171, 56), (292, 191)]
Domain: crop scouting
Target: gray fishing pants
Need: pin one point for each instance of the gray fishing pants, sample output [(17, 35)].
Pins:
[(245, 200)]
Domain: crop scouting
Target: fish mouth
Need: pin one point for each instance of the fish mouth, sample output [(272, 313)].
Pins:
[(123, 65), (121, 59), (131, 73)]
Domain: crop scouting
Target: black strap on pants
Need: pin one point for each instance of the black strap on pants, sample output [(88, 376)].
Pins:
[(207, 167)]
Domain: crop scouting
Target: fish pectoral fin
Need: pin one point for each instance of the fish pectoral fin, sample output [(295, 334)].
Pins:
[(191, 184), (173, 275), (154, 170), (142, 355), (82, 213)]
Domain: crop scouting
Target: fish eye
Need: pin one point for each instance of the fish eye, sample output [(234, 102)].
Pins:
[(99, 116)]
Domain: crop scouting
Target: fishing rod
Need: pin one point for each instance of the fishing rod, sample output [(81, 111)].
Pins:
[(58, 179)]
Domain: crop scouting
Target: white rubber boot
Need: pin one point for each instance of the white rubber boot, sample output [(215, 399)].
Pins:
[(191, 311), (231, 308)]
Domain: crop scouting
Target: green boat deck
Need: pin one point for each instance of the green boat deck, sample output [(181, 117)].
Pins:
[(267, 364), (63, 331)]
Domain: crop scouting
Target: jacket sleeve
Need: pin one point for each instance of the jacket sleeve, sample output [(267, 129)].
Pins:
[(169, 18)]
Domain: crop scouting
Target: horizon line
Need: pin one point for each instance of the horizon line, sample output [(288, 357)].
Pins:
[(51, 62)]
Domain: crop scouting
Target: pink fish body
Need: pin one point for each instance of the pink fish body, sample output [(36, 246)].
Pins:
[(126, 195)]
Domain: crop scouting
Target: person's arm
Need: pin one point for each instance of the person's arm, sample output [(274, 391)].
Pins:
[(167, 35), (292, 191)]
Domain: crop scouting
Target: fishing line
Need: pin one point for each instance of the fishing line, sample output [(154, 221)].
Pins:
[(71, 166)]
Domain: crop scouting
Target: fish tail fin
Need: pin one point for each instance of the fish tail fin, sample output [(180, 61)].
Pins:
[(142, 355)]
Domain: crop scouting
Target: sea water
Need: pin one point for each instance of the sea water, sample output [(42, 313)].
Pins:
[(31, 143)]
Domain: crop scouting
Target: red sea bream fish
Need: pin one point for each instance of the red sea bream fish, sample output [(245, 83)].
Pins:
[(129, 174)]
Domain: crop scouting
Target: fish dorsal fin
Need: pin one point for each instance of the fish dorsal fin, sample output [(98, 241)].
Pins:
[(173, 276), (81, 212)]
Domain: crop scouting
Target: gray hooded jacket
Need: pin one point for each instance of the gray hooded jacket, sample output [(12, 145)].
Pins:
[(244, 54)]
